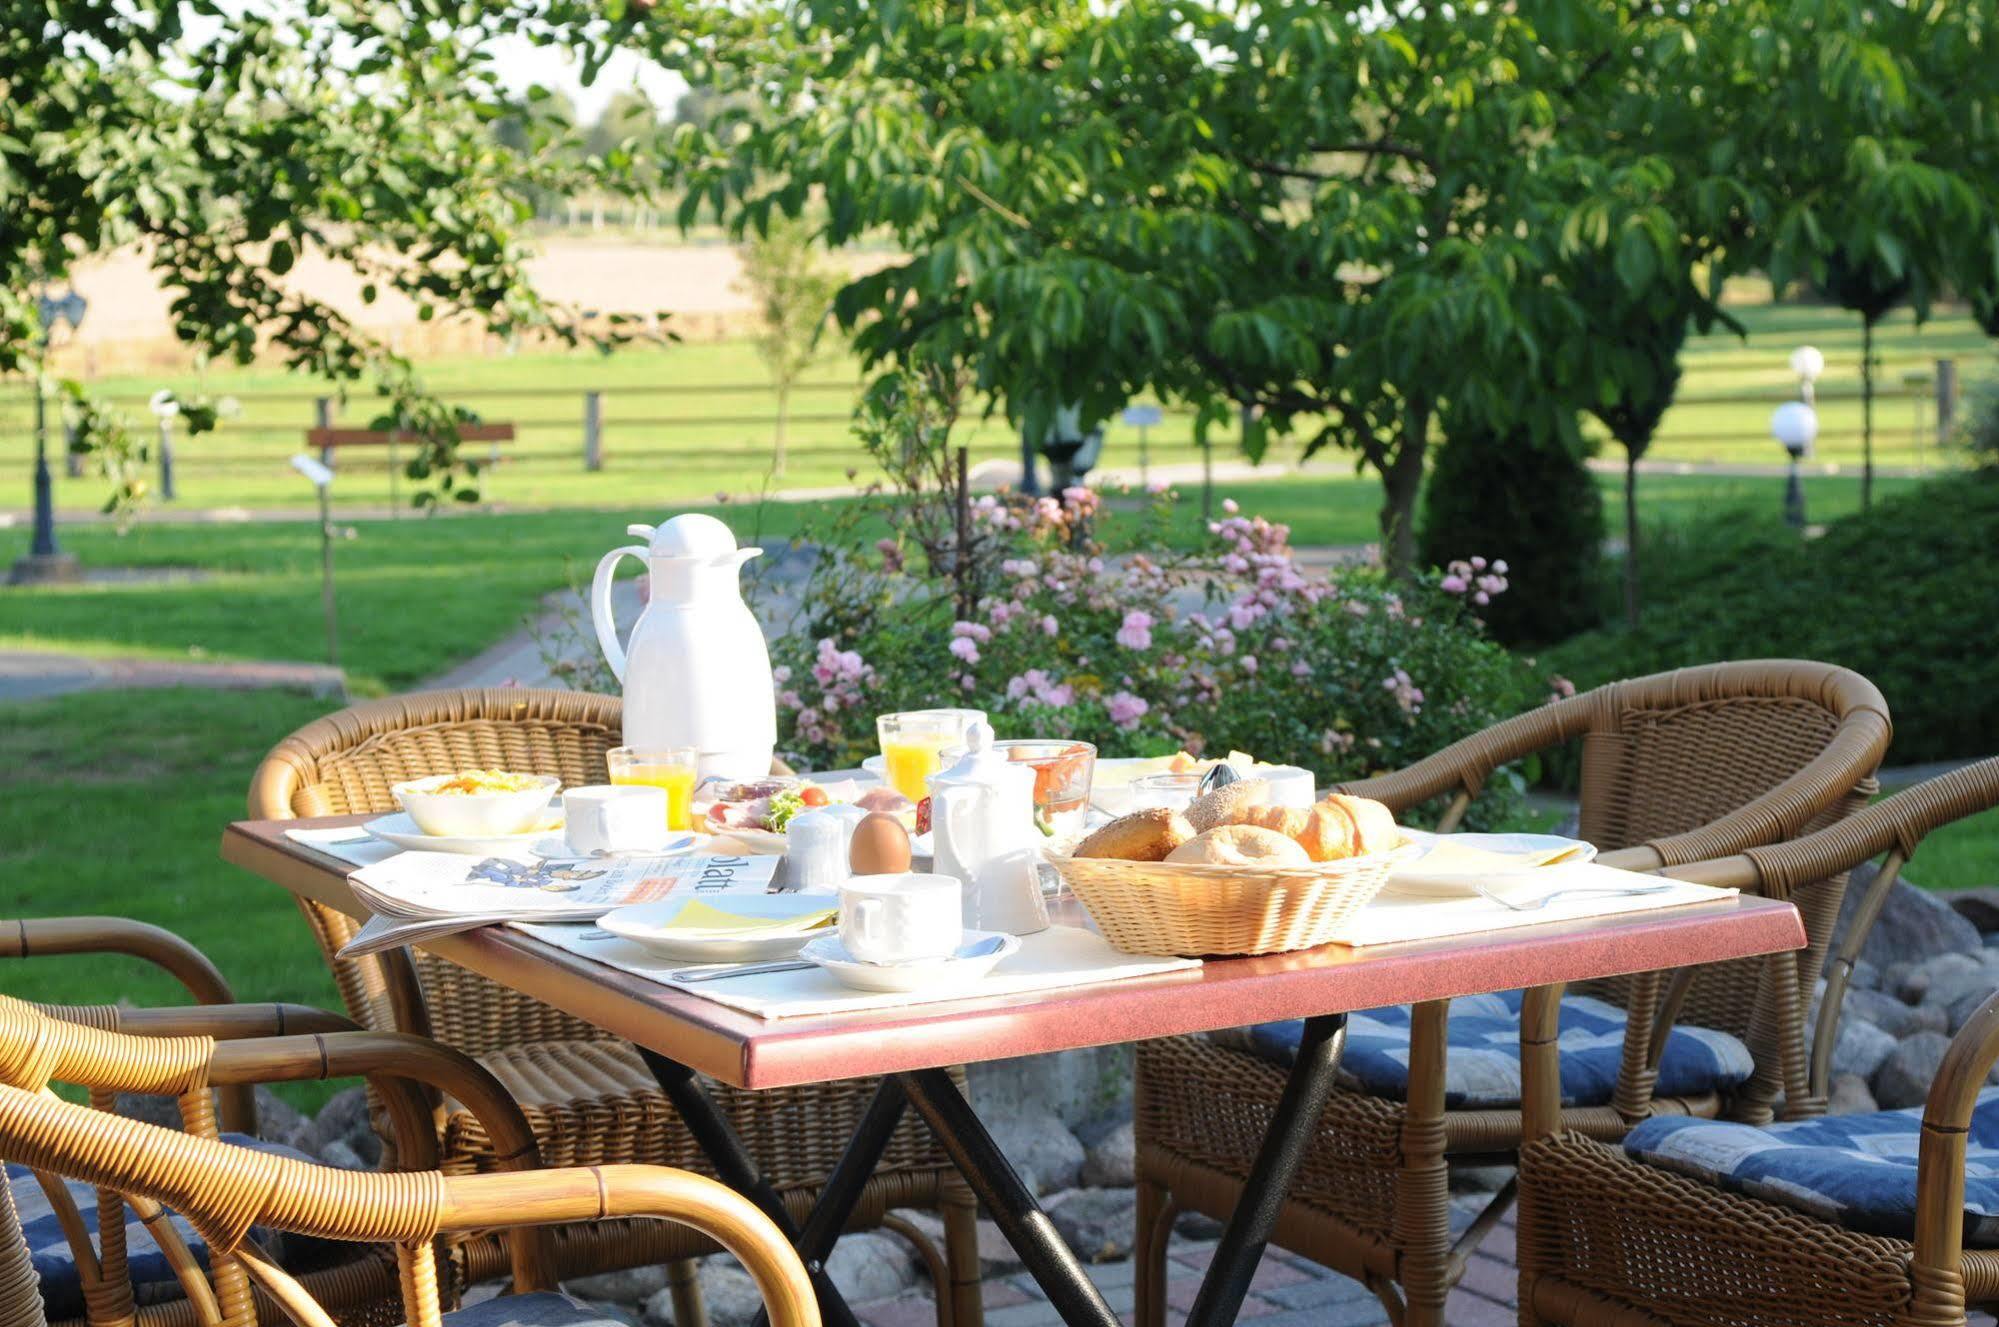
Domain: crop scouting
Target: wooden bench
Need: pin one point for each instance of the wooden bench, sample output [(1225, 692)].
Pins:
[(330, 440)]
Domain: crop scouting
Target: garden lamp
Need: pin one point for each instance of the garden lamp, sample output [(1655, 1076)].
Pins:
[(166, 409), (1807, 363), (45, 561), (321, 479), (1795, 424)]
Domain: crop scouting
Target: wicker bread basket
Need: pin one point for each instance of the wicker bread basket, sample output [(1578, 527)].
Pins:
[(1170, 908)]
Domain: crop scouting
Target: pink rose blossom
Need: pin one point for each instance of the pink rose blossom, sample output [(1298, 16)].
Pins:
[(965, 648), (1136, 632), (1049, 626), (1126, 709)]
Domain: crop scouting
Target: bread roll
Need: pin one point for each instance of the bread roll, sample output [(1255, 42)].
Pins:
[(1290, 821), (1374, 827), (1328, 833), (1228, 805), (1142, 836), (1240, 845)]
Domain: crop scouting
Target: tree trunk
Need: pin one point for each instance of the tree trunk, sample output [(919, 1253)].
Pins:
[(1866, 413), (1630, 536), (1401, 483), (783, 420)]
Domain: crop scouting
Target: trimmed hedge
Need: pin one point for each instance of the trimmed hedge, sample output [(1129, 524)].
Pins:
[(1907, 594)]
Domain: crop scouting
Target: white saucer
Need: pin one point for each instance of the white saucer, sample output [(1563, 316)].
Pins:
[(921, 975), (1409, 878), (645, 925), (402, 831), (555, 848)]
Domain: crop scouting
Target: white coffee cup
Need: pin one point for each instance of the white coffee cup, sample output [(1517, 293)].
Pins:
[(606, 817), (900, 918)]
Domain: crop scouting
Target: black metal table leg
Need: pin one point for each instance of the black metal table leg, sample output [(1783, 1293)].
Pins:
[(738, 1169), (1019, 1217), (1264, 1191)]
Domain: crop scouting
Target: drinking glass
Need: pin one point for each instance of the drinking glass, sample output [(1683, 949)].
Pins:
[(1063, 771), (671, 768), (1169, 790), (913, 744)]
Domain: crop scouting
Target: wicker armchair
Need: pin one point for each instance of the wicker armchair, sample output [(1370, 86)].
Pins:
[(1676, 768), (587, 1096), (1606, 1238), (224, 1191)]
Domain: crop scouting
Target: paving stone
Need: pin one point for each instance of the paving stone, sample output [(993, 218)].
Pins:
[(1098, 1224), (1002, 1294), (1492, 1278), (1034, 1313), (1354, 1313), (1252, 1307), (1105, 1274), (914, 1309), (1478, 1311), (1332, 1288)]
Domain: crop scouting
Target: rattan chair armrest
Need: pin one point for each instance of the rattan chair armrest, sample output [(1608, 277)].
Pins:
[(224, 1022), (37, 937), (600, 1193), (1941, 1153), (1464, 766)]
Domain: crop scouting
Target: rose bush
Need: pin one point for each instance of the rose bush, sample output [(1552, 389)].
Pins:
[(1236, 647)]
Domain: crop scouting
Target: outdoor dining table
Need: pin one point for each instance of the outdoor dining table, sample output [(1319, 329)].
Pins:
[(910, 1048)]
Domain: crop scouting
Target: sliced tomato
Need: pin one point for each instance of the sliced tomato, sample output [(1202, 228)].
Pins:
[(813, 795)]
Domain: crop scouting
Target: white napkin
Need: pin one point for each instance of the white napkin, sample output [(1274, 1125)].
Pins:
[(352, 844), (1059, 957), (1392, 917)]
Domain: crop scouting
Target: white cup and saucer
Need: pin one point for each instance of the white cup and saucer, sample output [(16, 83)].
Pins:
[(905, 932), (612, 820)]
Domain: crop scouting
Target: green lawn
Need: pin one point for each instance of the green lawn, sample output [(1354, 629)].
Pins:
[(684, 422)]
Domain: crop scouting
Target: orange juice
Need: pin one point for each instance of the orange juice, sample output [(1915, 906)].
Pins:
[(912, 759), (678, 780)]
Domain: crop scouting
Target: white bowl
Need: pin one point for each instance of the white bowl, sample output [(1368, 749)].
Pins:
[(475, 815)]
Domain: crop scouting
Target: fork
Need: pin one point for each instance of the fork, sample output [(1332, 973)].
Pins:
[(1536, 904)]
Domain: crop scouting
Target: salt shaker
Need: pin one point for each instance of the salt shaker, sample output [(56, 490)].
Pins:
[(816, 850)]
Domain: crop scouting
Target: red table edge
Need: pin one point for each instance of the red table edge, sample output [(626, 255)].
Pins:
[(746, 1051)]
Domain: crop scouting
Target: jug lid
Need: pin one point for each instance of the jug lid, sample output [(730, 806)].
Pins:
[(691, 534), (980, 764)]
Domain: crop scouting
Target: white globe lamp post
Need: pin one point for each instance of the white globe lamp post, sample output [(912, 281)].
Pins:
[(1795, 424)]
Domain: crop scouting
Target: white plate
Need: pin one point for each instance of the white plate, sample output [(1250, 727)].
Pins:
[(400, 830), (645, 925), (1409, 877), (555, 848), (923, 975)]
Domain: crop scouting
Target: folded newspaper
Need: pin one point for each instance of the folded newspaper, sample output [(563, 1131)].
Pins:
[(418, 896)]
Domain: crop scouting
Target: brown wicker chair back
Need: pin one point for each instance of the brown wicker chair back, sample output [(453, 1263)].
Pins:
[(346, 763)]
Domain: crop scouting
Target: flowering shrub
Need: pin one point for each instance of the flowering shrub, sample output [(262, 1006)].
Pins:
[(1237, 647)]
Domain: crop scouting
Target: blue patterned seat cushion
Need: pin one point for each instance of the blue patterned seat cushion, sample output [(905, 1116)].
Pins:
[(55, 1264), (1856, 1170), (1482, 1069), (542, 1309)]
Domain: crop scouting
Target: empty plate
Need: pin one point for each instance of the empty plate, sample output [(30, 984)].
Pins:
[(648, 925), (402, 831)]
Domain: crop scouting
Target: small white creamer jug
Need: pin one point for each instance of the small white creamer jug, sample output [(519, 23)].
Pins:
[(696, 669), (981, 811)]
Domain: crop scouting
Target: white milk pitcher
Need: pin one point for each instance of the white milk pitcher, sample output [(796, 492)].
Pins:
[(981, 812), (696, 669)]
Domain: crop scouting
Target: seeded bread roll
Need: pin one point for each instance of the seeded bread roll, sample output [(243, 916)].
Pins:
[(1229, 805), (1142, 836), (1240, 845)]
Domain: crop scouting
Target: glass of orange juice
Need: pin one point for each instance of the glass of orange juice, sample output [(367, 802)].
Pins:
[(913, 744), (671, 768)]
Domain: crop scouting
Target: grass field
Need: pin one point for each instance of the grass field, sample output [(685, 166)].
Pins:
[(684, 422)]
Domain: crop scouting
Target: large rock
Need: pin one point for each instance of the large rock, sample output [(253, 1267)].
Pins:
[(1980, 907), (727, 1293), (1110, 1158), (163, 1111), (997, 1258), (1951, 977), (1890, 1015), (871, 1265), (344, 1119), (1860, 1048), (277, 1122), (627, 1285), (1904, 1077), (1848, 1095), (1098, 1225), (1041, 1148), (1075, 1086), (1914, 926)]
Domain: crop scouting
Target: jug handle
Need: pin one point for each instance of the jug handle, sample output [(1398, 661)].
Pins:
[(600, 605), (949, 806)]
